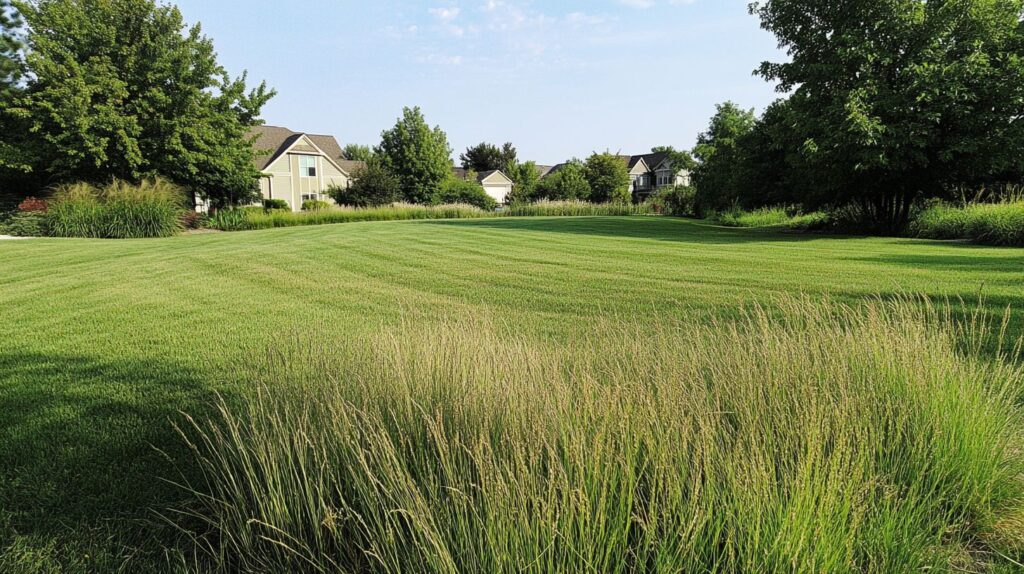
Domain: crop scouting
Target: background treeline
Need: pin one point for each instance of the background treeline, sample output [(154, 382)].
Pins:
[(889, 104)]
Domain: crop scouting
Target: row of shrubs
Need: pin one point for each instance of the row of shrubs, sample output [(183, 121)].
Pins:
[(988, 223), (119, 210)]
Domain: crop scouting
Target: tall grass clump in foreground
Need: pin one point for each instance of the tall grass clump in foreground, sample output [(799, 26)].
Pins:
[(806, 438), (989, 223), (575, 209), (772, 217), (119, 210)]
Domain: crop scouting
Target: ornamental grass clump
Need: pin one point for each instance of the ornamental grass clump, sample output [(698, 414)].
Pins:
[(119, 210), (805, 437), (999, 223)]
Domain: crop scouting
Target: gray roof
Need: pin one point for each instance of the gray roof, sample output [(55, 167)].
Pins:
[(543, 170), (652, 159), (480, 177), (351, 166), (272, 141)]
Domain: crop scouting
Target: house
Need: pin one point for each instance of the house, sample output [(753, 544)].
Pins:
[(650, 172), (297, 166), (495, 183)]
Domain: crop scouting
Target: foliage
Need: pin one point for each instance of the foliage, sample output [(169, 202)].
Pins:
[(525, 179), (357, 152), (33, 204), (183, 318), (119, 210), (234, 219), (123, 89), (989, 223), (677, 201), (192, 220), (568, 183), (371, 185), (717, 178), (900, 100), (457, 437), (315, 205), (608, 177), (272, 204), (574, 208), (788, 217), (467, 191), (10, 46), (25, 224), (488, 157), (680, 159), (418, 155)]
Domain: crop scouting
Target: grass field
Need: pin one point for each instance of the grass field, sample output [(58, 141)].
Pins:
[(106, 342)]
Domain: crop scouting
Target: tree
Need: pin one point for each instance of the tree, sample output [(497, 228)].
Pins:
[(568, 183), (418, 155), (525, 177), (608, 177), (356, 152), (468, 191), (122, 89), (680, 159), (903, 99), (10, 47), (371, 185), (718, 177), (487, 157)]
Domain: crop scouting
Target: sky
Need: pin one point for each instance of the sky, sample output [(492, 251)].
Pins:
[(557, 78)]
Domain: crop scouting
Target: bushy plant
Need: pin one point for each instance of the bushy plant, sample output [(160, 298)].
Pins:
[(371, 185), (678, 201), (802, 438), (192, 220), (315, 205), (25, 224), (575, 209), (989, 223), (33, 204), (457, 190), (233, 219), (272, 204), (119, 210), (784, 217)]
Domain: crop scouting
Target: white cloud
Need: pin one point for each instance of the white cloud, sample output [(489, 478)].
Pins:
[(446, 14)]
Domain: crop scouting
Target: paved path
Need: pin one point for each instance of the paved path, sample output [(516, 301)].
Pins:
[(11, 238)]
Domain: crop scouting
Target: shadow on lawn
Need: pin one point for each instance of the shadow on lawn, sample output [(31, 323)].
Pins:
[(77, 438), (656, 228), (970, 258)]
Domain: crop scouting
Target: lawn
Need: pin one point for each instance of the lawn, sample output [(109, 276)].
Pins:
[(106, 342)]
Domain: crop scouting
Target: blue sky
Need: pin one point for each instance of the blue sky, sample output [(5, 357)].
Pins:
[(556, 78)]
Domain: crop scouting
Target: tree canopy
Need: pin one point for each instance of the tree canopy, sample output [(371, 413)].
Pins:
[(371, 185), (608, 176), (10, 46), (569, 182), (487, 157), (902, 99), (418, 154), (357, 152), (124, 89), (718, 177)]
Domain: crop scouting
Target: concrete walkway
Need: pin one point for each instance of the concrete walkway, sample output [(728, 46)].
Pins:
[(11, 238)]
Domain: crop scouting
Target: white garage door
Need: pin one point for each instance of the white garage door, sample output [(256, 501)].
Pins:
[(498, 192)]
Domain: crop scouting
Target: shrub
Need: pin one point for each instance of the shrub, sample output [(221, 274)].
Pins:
[(26, 224), (315, 205), (988, 223), (232, 220), (678, 201), (192, 220), (371, 186), (119, 210), (33, 204), (802, 438), (785, 217), (275, 204), (455, 190)]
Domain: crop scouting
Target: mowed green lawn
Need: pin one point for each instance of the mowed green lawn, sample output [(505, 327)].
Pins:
[(103, 343)]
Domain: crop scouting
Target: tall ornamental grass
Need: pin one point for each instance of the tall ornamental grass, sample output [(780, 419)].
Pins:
[(772, 217), (988, 223), (575, 209), (119, 210), (260, 219), (802, 438)]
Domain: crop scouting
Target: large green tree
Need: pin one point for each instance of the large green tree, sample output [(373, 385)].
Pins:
[(901, 99), (569, 182), (12, 130), (717, 177), (372, 185), (608, 176), (10, 46), (418, 154), (525, 178), (357, 152), (124, 89), (487, 157)]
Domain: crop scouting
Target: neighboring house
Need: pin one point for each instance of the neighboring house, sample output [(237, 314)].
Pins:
[(296, 166), (653, 171), (647, 173), (495, 183)]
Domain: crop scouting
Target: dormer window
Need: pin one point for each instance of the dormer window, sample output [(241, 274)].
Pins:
[(307, 165)]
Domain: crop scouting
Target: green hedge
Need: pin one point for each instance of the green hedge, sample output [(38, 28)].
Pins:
[(988, 223), (119, 210)]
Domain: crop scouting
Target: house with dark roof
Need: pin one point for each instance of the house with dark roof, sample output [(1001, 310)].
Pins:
[(495, 182), (647, 173), (297, 166)]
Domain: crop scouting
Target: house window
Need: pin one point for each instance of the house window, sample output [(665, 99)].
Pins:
[(310, 197), (307, 165)]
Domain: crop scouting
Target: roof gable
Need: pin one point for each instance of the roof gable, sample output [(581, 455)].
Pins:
[(271, 142)]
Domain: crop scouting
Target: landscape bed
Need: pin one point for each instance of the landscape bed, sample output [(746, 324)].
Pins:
[(510, 368)]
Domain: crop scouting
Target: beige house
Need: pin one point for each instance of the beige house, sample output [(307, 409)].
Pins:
[(495, 183), (296, 166)]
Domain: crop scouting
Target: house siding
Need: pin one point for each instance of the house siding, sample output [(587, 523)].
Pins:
[(283, 180)]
